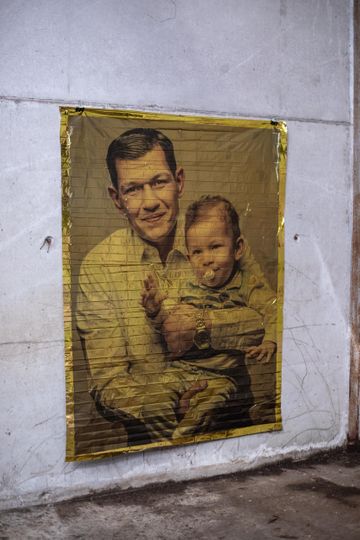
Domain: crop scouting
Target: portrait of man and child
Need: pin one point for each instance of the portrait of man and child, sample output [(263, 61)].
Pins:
[(176, 315)]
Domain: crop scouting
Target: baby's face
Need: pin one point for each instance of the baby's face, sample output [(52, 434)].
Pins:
[(212, 250)]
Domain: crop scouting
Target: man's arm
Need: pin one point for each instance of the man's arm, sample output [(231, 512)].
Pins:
[(104, 343), (263, 299), (228, 328)]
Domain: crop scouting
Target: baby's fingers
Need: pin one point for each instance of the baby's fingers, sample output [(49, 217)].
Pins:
[(152, 280), (145, 297), (147, 284), (143, 300), (162, 297)]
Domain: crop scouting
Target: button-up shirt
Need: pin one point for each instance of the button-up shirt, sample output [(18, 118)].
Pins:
[(123, 349)]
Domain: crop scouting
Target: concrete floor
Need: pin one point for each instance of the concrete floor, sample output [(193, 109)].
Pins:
[(318, 499)]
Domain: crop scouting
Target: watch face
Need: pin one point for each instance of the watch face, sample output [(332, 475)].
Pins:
[(202, 339)]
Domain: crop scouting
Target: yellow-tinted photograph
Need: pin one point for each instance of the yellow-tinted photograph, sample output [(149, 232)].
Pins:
[(173, 278)]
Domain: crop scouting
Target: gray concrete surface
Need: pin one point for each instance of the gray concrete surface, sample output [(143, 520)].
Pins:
[(317, 499)]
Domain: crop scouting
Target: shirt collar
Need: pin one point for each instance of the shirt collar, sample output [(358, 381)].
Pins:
[(179, 241)]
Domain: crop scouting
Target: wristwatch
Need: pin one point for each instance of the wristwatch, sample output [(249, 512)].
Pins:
[(202, 335)]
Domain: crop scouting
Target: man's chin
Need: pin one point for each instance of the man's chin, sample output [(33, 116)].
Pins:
[(155, 236), (156, 233)]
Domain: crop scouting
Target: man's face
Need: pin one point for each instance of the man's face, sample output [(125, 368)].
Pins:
[(149, 194), (212, 250)]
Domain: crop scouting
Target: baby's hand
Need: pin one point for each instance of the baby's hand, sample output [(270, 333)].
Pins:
[(151, 296), (262, 352)]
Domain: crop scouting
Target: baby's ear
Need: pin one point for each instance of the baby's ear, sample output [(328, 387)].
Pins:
[(239, 248)]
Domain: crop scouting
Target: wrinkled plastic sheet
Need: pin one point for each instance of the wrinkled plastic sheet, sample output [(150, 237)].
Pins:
[(126, 391)]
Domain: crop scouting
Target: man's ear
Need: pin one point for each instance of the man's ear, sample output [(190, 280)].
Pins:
[(239, 248), (116, 199), (180, 180)]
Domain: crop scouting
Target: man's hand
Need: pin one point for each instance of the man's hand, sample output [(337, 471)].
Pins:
[(262, 352), (179, 329), (185, 399), (151, 296)]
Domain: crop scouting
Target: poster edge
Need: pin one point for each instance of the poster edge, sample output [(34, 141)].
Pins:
[(277, 126)]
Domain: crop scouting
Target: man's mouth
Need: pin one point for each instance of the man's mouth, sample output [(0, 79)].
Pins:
[(154, 218)]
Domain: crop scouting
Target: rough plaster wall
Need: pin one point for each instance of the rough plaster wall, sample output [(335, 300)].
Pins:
[(287, 59)]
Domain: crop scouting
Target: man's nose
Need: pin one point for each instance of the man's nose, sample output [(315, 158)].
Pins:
[(150, 199)]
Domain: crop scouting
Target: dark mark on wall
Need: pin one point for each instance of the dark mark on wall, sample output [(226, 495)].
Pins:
[(47, 242)]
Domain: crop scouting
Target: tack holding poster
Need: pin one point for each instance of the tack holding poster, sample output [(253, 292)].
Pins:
[(173, 234)]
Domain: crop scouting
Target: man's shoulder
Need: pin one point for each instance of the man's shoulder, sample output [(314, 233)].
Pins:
[(116, 248)]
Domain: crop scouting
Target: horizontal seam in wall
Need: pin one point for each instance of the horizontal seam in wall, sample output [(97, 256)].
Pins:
[(32, 342), (177, 110)]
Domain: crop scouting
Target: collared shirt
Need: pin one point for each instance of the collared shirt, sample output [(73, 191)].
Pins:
[(123, 349)]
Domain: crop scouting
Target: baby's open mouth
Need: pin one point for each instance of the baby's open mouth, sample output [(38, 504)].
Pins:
[(209, 275)]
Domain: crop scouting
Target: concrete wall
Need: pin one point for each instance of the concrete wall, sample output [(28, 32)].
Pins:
[(289, 59)]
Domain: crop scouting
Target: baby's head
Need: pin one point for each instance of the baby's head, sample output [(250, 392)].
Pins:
[(213, 239)]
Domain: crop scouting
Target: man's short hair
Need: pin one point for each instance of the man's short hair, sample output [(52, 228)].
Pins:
[(135, 143), (198, 209)]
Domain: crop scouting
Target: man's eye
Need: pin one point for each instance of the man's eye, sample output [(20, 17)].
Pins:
[(159, 183), (196, 252), (132, 189), (216, 246)]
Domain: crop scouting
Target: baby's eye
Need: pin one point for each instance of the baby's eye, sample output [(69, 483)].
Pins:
[(216, 246), (196, 252)]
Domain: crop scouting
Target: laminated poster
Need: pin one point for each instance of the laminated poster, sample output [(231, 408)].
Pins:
[(173, 235)]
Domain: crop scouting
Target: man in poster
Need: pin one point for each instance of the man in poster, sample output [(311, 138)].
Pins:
[(133, 379)]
